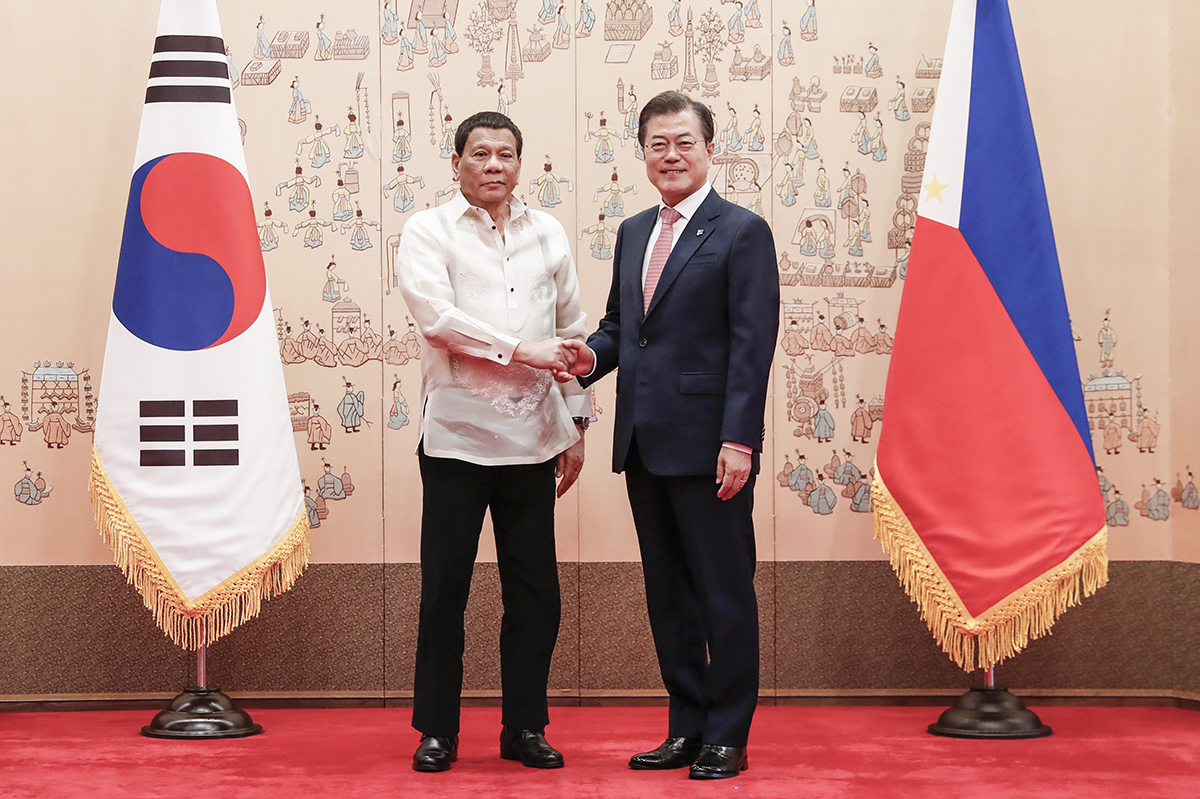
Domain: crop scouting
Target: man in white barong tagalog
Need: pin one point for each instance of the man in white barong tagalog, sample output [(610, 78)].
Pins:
[(492, 286)]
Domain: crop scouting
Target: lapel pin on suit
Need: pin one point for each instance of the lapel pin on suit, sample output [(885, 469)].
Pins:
[(700, 232)]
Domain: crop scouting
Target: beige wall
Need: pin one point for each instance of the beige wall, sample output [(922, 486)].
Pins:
[(1185, 278), (1112, 101)]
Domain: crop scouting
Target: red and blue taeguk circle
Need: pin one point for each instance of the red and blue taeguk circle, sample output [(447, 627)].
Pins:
[(191, 272)]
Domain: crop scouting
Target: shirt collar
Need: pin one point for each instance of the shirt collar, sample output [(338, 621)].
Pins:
[(459, 207), (688, 206)]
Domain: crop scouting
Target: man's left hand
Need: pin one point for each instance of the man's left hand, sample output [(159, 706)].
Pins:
[(569, 465), (733, 470)]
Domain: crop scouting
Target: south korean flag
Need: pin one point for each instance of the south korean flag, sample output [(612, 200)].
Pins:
[(194, 480)]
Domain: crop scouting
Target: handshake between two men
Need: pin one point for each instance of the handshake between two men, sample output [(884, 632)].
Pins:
[(568, 358), (565, 358)]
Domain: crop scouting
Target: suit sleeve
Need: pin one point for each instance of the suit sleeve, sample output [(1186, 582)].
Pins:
[(606, 341), (753, 326)]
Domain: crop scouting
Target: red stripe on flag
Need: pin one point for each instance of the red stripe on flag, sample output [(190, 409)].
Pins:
[(975, 446)]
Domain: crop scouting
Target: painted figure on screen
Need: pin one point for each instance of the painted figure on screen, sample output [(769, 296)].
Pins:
[(299, 196), (268, 236), (545, 185)]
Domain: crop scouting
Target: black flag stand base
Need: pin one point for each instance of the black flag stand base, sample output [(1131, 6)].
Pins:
[(989, 711), (201, 712)]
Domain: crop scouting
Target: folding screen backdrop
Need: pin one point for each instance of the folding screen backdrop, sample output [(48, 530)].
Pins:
[(822, 110)]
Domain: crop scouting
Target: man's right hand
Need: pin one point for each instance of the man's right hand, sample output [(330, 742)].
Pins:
[(549, 354), (584, 360)]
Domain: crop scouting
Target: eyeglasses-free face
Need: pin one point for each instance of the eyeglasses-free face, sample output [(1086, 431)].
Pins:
[(489, 167)]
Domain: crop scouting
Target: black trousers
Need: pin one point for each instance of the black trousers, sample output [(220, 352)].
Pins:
[(698, 557), (521, 498)]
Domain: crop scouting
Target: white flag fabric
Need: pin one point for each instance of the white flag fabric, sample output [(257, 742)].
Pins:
[(195, 482)]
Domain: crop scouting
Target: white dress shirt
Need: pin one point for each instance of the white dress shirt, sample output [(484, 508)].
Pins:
[(476, 294)]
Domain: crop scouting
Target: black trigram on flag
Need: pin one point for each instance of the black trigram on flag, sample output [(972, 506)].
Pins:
[(202, 432), (189, 69)]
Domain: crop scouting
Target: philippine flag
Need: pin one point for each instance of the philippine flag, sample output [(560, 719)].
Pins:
[(985, 496), (195, 482)]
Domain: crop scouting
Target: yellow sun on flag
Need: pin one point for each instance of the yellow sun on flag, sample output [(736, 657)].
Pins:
[(935, 189)]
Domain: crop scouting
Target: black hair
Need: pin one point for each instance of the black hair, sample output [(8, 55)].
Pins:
[(485, 119), (675, 103)]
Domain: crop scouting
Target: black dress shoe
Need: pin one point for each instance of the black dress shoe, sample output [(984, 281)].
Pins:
[(435, 754), (673, 753), (719, 762), (530, 747)]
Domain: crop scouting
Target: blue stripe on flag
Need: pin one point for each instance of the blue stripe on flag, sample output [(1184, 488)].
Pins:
[(1005, 217)]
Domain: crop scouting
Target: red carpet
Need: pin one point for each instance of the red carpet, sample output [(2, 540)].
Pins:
[(794, 752)]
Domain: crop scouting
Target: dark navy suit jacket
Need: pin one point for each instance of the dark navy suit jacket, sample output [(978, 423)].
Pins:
[(694, 367)]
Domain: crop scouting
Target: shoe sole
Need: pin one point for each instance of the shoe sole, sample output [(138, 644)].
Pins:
[(717, 775), (507, 755), (650, 767)]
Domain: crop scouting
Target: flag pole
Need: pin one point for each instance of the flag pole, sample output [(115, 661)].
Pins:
[(989, 711), (202, 712), (202, 666)]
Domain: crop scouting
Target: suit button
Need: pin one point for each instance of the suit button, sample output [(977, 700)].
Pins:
[(643, 343)]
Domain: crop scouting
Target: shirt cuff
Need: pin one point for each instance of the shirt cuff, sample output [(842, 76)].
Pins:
[(738, 447), (579, 404), (503, 349), (591, 371)]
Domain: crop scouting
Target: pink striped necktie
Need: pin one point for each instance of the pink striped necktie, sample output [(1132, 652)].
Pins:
[(658, 257)]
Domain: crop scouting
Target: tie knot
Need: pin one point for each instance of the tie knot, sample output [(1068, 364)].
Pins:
[(669, 216)]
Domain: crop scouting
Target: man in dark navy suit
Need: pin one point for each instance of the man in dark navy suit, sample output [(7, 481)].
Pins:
[(691, 321)]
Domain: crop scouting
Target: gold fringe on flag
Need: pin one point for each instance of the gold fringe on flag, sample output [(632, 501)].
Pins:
[(1009, 625), (192, 624)]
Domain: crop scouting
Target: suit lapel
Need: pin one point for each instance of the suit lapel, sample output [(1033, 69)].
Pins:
[(699, 228)]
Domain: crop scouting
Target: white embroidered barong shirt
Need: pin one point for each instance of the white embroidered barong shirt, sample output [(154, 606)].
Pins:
[(475, 295)]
